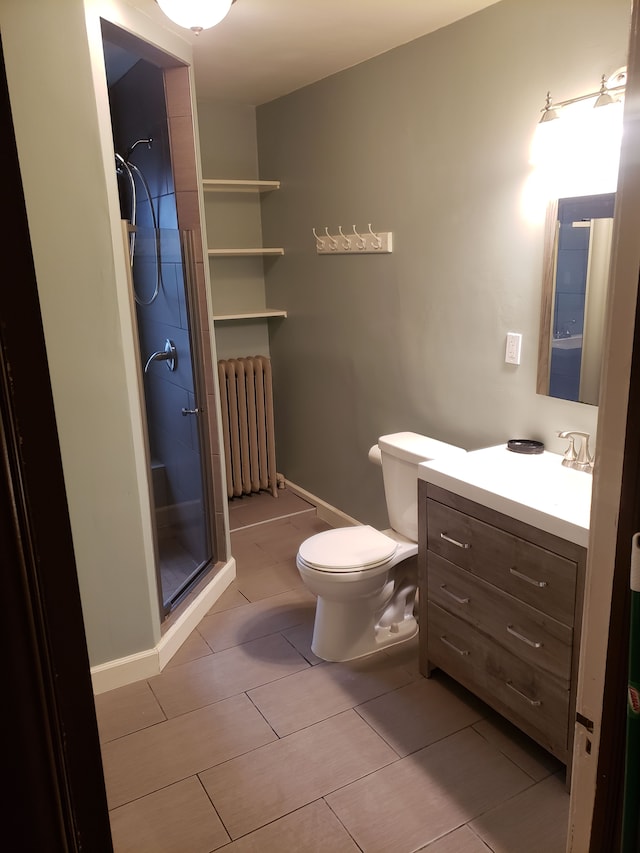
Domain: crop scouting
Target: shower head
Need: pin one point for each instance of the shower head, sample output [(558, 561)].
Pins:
[(148, 142)]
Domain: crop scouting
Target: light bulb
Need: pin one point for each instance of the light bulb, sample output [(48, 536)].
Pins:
[(196, 15), (546, 138)]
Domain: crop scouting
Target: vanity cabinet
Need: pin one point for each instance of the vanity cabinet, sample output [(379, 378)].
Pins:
[(500, 609)]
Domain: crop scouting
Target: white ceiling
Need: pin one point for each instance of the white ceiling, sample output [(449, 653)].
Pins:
[(267, 48)]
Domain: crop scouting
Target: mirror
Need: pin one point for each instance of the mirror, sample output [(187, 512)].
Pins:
[(574, 292)]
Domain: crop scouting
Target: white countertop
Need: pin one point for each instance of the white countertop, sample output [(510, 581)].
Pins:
[(536, 489)]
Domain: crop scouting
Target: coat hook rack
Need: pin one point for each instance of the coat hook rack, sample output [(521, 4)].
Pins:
[(365, 243), (331, 243), (319, 241), (361, 242), (345, 241)]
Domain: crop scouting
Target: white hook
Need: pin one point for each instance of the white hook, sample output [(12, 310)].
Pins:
[(346, 242), (319, 241), (361, 241), (377, 241), (333, 243)]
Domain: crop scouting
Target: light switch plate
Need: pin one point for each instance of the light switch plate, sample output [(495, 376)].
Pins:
[(514, 347)]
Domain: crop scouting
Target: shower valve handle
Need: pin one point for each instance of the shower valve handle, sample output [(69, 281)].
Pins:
[(168, 354)]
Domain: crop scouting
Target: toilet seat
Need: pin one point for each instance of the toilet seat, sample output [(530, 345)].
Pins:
[(347, 549)]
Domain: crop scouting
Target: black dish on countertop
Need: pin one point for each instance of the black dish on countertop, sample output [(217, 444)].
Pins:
[(525, 445)]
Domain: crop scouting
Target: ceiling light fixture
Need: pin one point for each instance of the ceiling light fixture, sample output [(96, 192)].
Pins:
[(610, 92), (195, 15)]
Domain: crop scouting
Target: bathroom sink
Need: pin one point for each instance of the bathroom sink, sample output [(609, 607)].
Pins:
[(534, 488)]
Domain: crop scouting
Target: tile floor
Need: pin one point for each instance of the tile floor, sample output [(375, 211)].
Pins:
[(248, 743)]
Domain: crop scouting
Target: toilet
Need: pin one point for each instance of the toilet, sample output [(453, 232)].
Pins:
[(365, 580)]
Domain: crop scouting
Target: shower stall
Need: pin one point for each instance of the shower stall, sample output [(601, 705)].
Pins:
[(163, 281)]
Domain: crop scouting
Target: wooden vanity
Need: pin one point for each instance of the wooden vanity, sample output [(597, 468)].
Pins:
[(500, 602)]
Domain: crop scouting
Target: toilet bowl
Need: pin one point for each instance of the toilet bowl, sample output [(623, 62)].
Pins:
[(365, 580)]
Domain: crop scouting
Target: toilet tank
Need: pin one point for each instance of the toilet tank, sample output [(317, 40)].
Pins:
[(400, 453)]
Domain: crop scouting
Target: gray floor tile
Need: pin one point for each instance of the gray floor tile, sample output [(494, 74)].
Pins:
[(255, 789), (125, 710), (248, 553), (533, 759), (461, 840), (311, 829), (146, 761), (435, 790), (323, 691), (177, 819), (264, 581), (534, 821), (230, 598), (300, 637), (281, 539), (194, 647), (263, 506), (259, 619), (218, 676), (405, 655), (419, 714)]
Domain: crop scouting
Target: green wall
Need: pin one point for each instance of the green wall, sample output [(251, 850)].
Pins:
[(429, 141)]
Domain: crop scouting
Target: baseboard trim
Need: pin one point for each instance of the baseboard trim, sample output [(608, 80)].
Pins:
[(333, 516), (117, 673), (146, 664)]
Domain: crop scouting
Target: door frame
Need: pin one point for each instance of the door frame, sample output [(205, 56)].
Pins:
[(598, 761), (56, 797)]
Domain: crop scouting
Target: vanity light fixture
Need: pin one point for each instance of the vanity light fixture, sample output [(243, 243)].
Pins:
[(610, 92), (549, 112), (195, 15)]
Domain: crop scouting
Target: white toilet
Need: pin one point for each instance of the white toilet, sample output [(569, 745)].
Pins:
[(366, 580)]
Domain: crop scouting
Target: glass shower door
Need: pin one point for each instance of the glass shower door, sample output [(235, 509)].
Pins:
[(168, 329)]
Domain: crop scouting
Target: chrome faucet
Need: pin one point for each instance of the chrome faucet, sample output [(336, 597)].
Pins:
[(581, 459)]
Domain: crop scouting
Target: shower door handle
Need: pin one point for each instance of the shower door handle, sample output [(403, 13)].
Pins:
[(186, 412)]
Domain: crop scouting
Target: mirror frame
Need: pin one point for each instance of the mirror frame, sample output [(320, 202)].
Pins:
[(597, 239), (547, 297)]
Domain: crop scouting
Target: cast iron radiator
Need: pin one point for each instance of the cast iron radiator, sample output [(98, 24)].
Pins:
[(246, 398)]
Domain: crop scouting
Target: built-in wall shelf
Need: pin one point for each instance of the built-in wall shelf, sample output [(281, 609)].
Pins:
[(243, 253), (225, 280), (223, 185), (254, 315)]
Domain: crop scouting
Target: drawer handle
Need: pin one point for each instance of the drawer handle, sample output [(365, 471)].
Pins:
[(532, 643), (456, 598), (522, 577), (535, 703), (451, 645), (454, 541)]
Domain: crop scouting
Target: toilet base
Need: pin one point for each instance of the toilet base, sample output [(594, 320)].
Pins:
[(338, 636)]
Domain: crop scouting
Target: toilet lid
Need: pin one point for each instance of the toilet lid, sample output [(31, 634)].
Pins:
[(347, 548)]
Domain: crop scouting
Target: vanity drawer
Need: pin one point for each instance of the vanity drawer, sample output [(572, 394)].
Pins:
[(530, 698), (517, 627), (541, 578)]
